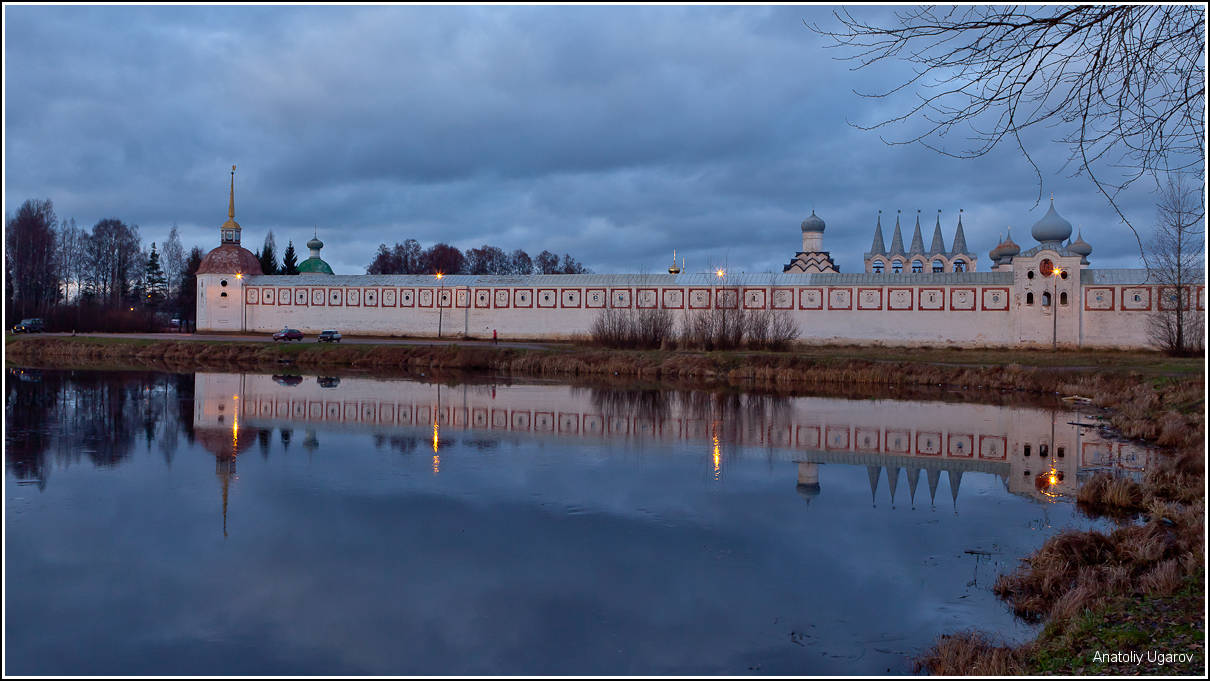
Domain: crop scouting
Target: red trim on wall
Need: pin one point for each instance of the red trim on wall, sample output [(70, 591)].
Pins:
[(366, 294), (1008, 298), (805, 442), (289, 296), (350, 294), (803, 290), (689, 302), (588, 294), (664, 300), (848, 440), (486, 293), (881, 302), (920, 299), (446, 292), (544, 295), (975, 302), (251, 292), (911, 298), (764, 296), (773, 298), (462, 297), (613, 302), (1003, 447), (321, 300), (517, 294), (949, 439), (404, 293), (940, 444), (1150, 299), (905, 434), (579, 298), (861, 433), (1088, 294), (718, 296), (839, 288), (272, 291), (502, 298), (422, 293), (655, 296)]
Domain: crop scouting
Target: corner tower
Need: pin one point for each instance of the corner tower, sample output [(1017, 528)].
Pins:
[(812, 257), (220, 276)]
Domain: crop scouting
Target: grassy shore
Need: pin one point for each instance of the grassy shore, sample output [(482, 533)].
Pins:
[(1137, 588)]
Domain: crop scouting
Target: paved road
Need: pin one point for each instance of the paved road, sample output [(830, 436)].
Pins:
[(268, 338)]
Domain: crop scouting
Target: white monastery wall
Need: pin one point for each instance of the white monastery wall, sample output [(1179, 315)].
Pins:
[(967, 309)]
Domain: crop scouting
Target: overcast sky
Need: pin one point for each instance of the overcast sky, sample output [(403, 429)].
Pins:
[(615, 134)]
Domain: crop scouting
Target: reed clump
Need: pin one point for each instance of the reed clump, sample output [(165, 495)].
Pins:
[(970, 653)]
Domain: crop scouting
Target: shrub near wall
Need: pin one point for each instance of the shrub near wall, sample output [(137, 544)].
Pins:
[(712, 329)]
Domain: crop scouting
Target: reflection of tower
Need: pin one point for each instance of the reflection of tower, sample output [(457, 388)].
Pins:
[(955, 483), (310, 442), (874, 473), (217, 426), (224, 468), (913, 482), (808, 480)]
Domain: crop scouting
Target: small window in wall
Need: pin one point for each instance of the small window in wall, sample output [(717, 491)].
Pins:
[(1046, 299), (959, 265), (1063, 274), (1029, 274), (1029, 299), (1137, 299), (1026, 450), (1043, 450), (878, 267), (938, 266), (897, 267), (1063, 298), (917, 266), (1060, 452), (223, 294), (223, 282)]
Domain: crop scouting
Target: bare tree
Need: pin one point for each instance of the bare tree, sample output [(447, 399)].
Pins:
[(1124, 84), (30, 241), (172, 256), (1175, 262)]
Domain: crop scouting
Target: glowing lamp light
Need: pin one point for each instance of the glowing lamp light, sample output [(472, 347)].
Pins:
[(720, 273), (439, 275), (239, 275)]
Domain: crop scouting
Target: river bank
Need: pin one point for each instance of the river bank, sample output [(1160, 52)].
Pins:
[(1093, 591)]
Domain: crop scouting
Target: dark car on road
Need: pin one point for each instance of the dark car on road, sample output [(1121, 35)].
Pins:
[(329, 336), (288, 335), (287, 379), (33, 325)]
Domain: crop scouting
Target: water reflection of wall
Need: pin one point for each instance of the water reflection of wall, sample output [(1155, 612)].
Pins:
[(1038, 452)]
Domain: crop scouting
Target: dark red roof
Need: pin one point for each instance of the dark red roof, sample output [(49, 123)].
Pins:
[(230, 259)]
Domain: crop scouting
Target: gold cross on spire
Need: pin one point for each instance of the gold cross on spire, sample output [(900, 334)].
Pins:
[(231, 203)]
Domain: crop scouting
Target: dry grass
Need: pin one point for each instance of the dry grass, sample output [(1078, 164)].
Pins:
[(970, 654), (1106, 492)]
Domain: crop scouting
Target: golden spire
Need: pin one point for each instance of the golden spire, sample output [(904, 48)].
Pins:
[(231, 203)]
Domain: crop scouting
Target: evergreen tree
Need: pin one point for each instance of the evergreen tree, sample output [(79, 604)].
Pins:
[(289, 260), (268, 256), (155, 282)]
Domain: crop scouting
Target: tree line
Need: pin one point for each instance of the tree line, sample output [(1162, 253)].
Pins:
[(409, 258), (101, 278)]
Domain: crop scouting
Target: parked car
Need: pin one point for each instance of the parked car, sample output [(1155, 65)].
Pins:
[(32, 325), (327, 381), (329, 336), (287, 379), (288, 335)]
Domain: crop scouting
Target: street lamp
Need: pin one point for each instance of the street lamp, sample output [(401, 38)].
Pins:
[(1054, 308), (440, 310)]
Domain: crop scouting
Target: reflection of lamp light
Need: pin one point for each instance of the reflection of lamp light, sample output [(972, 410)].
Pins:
[(714, 437), (440, 309)]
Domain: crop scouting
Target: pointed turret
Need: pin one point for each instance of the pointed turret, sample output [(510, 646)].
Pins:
[(897, 239), (917, 239), (879, 245), (938, 245), (959, 245), (892, 478)]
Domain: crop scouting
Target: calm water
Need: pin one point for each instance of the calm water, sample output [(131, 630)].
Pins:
[(246, 524)]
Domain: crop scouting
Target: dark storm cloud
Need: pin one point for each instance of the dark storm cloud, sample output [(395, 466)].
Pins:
[(613, 133)]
